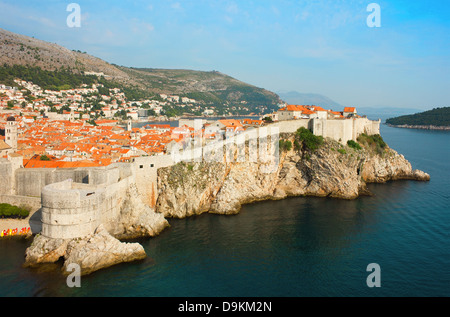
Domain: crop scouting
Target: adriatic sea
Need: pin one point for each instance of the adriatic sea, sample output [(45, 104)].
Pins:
[(298, 247)]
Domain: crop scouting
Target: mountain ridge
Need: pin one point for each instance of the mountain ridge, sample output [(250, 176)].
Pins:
[(212, 87)]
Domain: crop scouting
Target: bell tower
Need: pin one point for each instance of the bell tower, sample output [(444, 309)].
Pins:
[(11, 133)]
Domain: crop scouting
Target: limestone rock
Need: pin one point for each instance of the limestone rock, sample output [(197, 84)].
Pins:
[(44, 250), (420, 176), (101, 250), (331, 171), (137, 219)]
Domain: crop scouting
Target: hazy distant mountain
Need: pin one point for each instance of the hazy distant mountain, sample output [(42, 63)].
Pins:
[(374, 113), (295, 97)]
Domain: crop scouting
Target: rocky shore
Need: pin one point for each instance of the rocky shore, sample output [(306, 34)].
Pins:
[(94, 252), (188, 189), (102, 248), (331, 171), (421, 127)]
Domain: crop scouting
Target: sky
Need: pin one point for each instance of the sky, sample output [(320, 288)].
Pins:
[(316, 46)]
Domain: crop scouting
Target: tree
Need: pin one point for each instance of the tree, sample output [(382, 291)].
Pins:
[(285, 145), (308, 139)]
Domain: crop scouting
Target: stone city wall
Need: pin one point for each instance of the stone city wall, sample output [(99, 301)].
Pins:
[(343, 130), (146, 174), (76, 201), (31, 181), (6, 177), (73, 210)]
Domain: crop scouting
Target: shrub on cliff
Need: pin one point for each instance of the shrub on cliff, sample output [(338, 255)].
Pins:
[(9, 211), (354, 145), (308, 139), (374, 142), (285, 145)]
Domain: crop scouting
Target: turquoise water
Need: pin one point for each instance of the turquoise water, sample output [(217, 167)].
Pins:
[(295, 247)]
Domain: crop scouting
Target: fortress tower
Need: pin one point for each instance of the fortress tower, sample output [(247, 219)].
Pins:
[(11, 133)]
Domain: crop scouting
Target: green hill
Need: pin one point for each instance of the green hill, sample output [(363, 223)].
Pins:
[(439, 117), (213, 87), (54, 67)]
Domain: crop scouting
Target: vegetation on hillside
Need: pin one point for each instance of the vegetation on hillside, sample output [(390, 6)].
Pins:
[(285, 145), (437, 117), (65, 79), (354, 145), (374, 142), (307, 140), (209, 88)]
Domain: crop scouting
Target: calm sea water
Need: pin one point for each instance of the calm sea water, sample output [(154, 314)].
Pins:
[(295, 247)]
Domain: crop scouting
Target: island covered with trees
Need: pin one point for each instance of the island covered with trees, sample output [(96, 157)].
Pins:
[(435, 119)]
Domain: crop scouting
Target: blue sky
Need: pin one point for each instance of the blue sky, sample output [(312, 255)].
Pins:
[(321, 46)]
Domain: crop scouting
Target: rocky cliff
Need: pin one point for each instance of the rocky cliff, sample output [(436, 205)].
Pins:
[(333, 170)]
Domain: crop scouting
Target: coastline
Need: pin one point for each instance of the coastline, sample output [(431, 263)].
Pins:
[(222, 188), (421, 127), (380, 225)]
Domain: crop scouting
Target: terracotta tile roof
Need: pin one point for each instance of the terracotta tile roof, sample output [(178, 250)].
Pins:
[(349, 109)]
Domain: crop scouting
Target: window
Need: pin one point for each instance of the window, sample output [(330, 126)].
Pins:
[(152, 165), (141, 166)]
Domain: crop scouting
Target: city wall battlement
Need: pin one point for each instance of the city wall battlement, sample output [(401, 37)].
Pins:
[(76, 201)]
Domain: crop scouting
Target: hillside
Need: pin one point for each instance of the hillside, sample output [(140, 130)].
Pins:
[(210, 88), (438, 117), (16, 49)]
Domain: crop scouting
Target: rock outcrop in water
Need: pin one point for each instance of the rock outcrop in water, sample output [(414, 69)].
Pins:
[(102, 248), (331, 171), (91, 253)]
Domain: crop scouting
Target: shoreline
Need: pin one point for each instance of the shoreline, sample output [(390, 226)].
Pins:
[(420, 127)]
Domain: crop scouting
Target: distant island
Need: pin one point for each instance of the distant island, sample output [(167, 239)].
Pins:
[(436, 119)]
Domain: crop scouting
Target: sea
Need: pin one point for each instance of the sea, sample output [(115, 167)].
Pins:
[(297, 247)]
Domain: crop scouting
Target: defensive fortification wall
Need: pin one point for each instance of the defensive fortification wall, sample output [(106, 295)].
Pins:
[(340, 130), (8, 168), (290, 126), (6, 177), (73, 210), (145, 170), (343, 130), (76, 201), (68, 212), (31, 181)]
